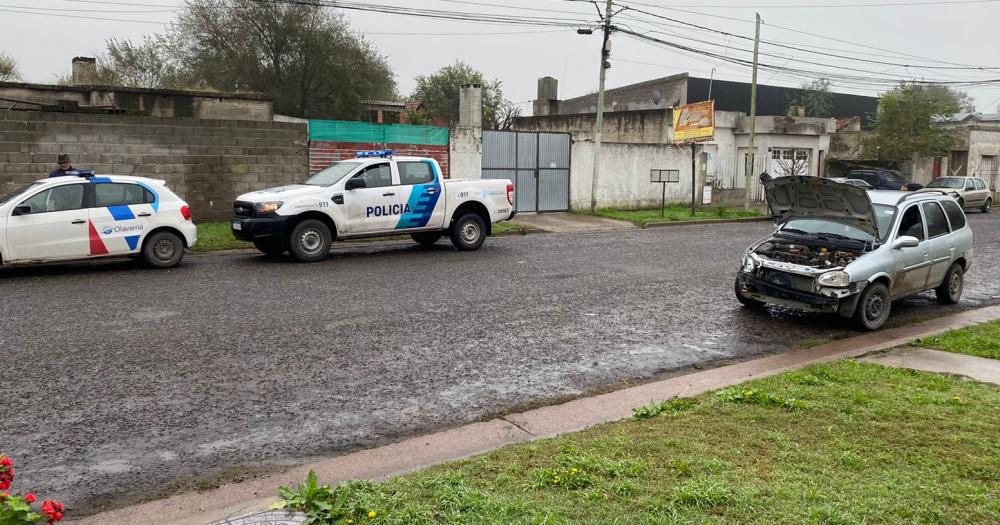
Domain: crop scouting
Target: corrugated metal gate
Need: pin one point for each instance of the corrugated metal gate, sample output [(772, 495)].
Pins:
[(989, 170), (538, 163)]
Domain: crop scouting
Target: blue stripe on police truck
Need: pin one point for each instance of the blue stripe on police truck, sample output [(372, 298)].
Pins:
[(421, 203)]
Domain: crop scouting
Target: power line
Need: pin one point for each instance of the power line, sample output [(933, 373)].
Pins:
[(776, 44), (61, 9), (793, 30), (824, 6), (83, 16)]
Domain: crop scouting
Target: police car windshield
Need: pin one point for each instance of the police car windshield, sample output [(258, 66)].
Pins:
[(333, 174), (15, 193)]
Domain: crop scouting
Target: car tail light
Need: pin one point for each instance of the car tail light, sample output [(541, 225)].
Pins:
[(186, 213), (510, 194)]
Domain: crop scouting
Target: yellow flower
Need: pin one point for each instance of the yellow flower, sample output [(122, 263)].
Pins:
[(349, 520), (556, 479), (956, 398), (372, 514), (573, 470)]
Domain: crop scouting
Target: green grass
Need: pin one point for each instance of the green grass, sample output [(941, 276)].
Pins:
[(838, 443), (981, 340), (674, 212), (213, 236)]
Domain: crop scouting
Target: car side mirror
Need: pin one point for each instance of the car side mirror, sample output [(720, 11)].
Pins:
[(22, 210), (353, 184), (906, 241)]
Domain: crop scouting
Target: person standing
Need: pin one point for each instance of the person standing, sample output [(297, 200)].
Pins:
[(65, 166)]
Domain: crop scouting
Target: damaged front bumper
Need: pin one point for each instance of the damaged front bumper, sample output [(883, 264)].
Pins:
[(842, 301)]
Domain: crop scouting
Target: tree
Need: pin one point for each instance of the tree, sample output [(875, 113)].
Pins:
[(816, 98), (304, 55), (147, 65), (440, 93), (903, 125), (8, 68)]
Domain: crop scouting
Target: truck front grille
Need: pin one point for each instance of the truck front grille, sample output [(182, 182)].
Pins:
[(243, 209), (791, 281)]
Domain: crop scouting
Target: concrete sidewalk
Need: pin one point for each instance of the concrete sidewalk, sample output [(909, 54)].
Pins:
[(239, 499), (928, 360), (563, 222)]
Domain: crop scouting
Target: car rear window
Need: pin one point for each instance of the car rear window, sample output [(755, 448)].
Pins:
[(980, 184), (117, 194), (955, 214), (937, 224)]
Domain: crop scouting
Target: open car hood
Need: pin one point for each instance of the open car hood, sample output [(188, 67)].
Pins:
[(795, 196)]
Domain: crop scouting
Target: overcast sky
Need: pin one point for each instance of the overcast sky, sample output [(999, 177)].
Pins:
[(949, 32)]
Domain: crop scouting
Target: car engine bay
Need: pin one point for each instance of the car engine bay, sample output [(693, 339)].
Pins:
[(806, 255)]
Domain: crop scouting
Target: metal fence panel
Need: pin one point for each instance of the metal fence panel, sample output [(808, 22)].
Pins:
[(527, 150), (499, 150), (553, 190), (525, 191), (553, 151)]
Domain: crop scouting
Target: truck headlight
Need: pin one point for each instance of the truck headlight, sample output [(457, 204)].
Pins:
[(836, 279), (268, 207)]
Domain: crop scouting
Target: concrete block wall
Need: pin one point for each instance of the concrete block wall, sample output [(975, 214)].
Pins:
[(324, 153), (624, 175), (207, 162)]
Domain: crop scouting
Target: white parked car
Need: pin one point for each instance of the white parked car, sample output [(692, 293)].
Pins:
[(87, 216), (373, 195)]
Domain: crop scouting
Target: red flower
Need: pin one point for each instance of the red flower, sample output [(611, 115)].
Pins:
[(30, 498), (4, 485), (52, 510), (5, 461)]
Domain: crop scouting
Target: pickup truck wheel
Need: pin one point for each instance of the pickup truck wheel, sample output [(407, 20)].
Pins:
[(468, 232), (426, 238), (746, 301), (874, 307), (987, 206), (310, 241), (163, 250), (950, 291), (269, 248)]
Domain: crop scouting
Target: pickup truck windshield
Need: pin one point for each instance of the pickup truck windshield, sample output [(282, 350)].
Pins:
[(954, 183), (333, 174), (838, 230), (15, 193)]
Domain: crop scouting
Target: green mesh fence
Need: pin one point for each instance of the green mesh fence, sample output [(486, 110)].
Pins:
[(344, 131)]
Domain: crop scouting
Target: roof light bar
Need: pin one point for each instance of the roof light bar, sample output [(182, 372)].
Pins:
[(375, 153)]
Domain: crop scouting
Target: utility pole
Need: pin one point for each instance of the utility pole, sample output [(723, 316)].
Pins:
[(753, 118), (599, 124)]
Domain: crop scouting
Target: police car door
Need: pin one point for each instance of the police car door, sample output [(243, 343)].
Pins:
[(51, 224), (420, 195), (373, 207), (121, 214)]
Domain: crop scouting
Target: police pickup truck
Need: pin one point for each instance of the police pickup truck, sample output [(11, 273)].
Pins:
[(373, 195)]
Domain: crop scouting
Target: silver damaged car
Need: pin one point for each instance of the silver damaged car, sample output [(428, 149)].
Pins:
[(840, 249)]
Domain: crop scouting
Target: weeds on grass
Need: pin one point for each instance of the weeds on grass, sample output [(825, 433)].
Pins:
[(672, 406), (756, 397), (702, 493)]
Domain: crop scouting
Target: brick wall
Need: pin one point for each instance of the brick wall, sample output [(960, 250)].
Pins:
[(207, 162), (324, 153)]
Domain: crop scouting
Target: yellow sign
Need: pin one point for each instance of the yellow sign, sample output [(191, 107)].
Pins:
[(694, 121)]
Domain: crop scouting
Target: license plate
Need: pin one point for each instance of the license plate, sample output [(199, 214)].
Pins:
[(237, 225)]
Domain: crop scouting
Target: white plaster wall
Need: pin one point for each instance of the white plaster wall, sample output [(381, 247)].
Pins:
[(466, 153), (982, 142), (623, 181)]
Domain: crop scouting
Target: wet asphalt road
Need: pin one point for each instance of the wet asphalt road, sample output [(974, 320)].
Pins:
[(118, 382)]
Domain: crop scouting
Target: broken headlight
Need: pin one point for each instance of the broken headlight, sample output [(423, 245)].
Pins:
[(836, 279)]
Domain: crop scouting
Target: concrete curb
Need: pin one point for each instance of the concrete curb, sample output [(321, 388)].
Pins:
[(706, 221), (379, 463)]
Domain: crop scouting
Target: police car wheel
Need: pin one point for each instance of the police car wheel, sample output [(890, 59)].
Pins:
[(163, 250), (310, 241), (426, 238), (269, 248), (468, 232)]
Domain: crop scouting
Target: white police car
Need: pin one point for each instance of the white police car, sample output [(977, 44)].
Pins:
[(86, 216), (372, 195)]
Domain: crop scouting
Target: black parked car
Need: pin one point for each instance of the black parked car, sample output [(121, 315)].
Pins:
[(880, 179)]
